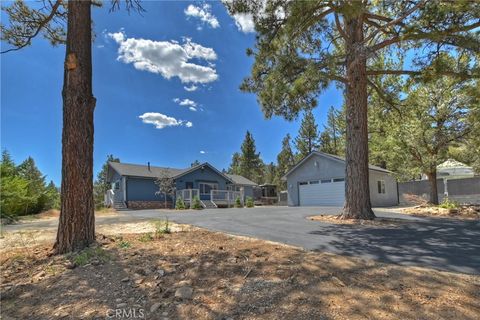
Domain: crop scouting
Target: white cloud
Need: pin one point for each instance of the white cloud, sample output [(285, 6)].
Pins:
[(203, 13), (190, 88), (244, 22), (167, 58), (161, 121), (202, 152), (192, 105)]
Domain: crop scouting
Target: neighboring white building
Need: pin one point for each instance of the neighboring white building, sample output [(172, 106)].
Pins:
[(453, 169)]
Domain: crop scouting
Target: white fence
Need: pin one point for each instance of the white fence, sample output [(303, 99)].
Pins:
[(225, 197), (187, 194)]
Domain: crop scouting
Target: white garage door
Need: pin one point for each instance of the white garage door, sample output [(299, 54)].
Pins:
[(329, 192)]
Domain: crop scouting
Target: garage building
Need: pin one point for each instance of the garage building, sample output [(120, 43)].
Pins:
[(319, 180)]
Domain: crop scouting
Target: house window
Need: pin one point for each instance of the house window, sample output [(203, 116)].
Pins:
[(303, 183), (381, 186), (116, 185), (338, 179), (314, 182), (326, 180), (205, 187), (188, 185)]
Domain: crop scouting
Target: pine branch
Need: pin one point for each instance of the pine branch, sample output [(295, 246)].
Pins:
[(417, 73), (437, 35), (41, 24)]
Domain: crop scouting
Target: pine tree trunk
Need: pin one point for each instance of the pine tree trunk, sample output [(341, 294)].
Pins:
[(76, 228), (432, 180), (357, 194)]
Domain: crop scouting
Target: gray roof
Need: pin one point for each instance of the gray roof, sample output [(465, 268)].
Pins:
[(335, 157), (137, 170), (240, 180)]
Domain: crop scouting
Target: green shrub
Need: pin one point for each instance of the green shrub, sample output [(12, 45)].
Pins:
[(124, 244), (249, 202), (448, 204), (196, 203), (238, 202), (146, 237), (162, 227), (180, 204), (88, 254)]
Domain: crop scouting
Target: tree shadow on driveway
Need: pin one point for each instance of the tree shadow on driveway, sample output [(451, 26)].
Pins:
[(437, 243)]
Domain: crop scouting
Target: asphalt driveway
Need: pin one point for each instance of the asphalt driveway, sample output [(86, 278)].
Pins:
[(444, 244)]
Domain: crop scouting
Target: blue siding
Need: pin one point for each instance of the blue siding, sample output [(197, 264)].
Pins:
[(143, 189), (248, 191), (202, 175)]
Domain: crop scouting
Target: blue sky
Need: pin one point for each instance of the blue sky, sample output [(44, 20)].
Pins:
[(144, 112)]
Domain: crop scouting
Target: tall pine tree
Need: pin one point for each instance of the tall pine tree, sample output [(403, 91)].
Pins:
[(36, 186), (251, 165), (308, 136)]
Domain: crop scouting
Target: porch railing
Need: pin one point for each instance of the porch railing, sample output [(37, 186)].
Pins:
[(225, 197), (187, 194)]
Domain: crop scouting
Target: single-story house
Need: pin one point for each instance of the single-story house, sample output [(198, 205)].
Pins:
[(319, 180), (134, 186)]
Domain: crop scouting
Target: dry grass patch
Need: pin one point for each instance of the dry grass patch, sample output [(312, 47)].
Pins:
[(469, 212)]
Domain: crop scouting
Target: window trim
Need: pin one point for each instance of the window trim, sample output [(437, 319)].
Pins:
[(381, 189), (326, 181), (338, 179)]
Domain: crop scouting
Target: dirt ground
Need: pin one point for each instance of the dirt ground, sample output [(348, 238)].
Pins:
[(462, 212), (196, 274)]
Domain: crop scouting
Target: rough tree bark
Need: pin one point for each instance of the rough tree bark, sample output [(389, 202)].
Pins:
[(357, 194), (432, 180), (76, 228)]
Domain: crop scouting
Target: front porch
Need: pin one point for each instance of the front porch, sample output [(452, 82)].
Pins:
[(214, 199)]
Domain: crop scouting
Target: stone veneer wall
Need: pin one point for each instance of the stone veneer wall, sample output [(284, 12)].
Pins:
[(135, 205)]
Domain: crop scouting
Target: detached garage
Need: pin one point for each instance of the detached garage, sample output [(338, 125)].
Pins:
[(319, 180)]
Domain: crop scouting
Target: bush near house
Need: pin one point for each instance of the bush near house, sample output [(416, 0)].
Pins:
[(180, 204), (238, 203), (196, 203), (448, 204), (249, 202)]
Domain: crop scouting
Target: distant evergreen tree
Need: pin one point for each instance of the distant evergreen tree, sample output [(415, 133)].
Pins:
[(100, 185), (23, 189), (332, 139), (195, 163), (13, 193), (234, 167), (270, 173), (326, 143), (7, 167), (52, 196), (36, 197), (251, 166), (285, 161), (308, 137)]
